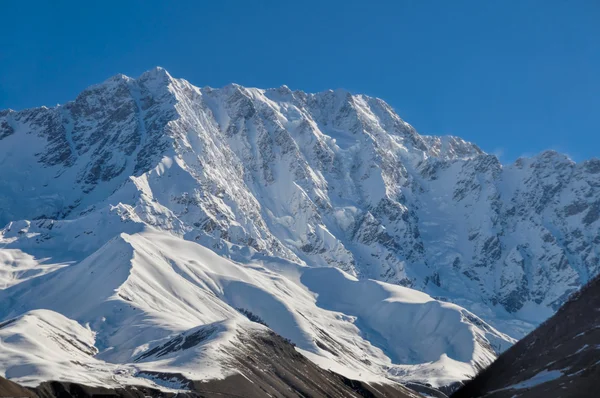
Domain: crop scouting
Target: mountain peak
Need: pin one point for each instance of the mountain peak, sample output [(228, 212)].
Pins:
[(158, 72), (156, 78), (112, 82)]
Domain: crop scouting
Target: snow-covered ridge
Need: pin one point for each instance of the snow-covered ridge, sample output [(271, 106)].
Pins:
[(153, 303), (321, 180)]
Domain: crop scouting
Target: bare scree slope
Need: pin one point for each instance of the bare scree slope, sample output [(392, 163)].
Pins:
[(149, 225)]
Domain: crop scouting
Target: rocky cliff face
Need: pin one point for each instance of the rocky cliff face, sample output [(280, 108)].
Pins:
[(327, 179)]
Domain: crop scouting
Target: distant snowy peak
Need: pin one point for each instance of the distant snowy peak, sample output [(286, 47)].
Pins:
[(325, 179)]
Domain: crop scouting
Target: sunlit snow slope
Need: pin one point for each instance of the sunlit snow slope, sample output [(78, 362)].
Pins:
[(110, 310)]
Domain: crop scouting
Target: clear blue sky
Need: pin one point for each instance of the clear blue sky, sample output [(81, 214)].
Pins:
[(516, 77)]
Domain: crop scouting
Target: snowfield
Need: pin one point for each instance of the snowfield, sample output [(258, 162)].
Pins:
[(149, 224)]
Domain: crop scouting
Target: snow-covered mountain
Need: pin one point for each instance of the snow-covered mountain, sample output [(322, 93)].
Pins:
[(111, 202)]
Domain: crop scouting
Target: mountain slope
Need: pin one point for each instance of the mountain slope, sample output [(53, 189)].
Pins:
[(141, 296), (558, 359), (10, 389), (269, 366)]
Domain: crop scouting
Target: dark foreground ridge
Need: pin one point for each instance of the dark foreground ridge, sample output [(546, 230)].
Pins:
[(271, 367), (10, 389), (561, 358)]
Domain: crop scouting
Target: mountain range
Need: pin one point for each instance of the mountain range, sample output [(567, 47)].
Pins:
[(152, 231)]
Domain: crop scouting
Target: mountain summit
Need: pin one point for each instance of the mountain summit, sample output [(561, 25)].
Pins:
[(326, 211)]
